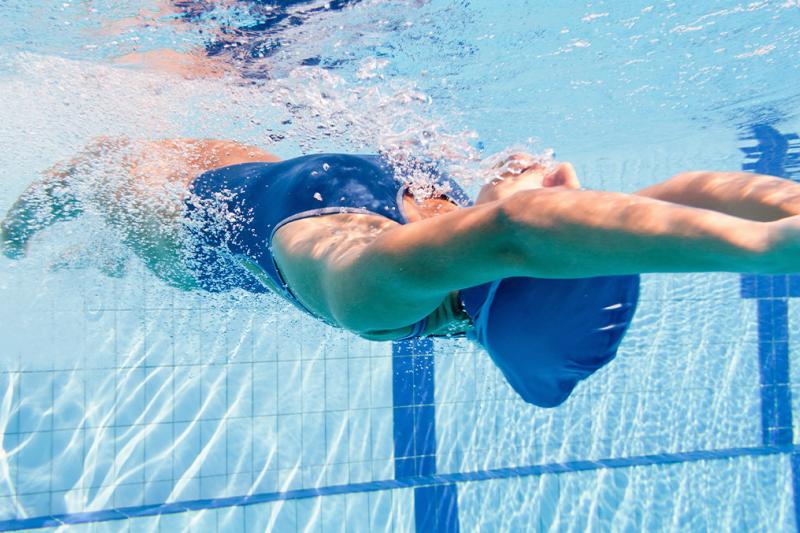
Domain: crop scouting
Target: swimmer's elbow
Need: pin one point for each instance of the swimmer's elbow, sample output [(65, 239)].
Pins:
[(526, 223)]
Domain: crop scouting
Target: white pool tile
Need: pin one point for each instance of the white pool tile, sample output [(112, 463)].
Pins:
[(359, 442), (67, 464), (333, 511), (232, 520), (188, 396), (336, 380), (265, 388), (312, 391), (265, 443), (158, 446), (130, 396), (314, 443), (33, 462), (239, 444), (240, 390), (290, 386), (213, 391), (358, 382), (381, 381), (186, 449), (290, 439), (213, 448), (381, 426), (337, 432), (36, 401)]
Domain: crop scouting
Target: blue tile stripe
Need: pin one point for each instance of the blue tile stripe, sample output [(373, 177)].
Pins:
[(414, 433), (776, 154), (436, 508), (796, 488), (773, 365), (439, 484)]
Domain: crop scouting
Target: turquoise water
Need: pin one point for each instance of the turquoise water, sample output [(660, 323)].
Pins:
[(121, 393)]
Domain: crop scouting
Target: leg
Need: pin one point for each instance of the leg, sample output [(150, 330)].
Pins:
[(47, 201), (138, 188), (60, 195), (192, 65), (741, 194)]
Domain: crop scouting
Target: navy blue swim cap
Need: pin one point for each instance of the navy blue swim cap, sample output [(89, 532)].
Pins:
[(546, 335)]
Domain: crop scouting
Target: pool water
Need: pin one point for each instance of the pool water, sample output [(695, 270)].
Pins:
[(126, 405)]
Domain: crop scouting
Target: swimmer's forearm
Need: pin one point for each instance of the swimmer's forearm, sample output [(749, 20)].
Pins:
[(741, 194), (590, 233)]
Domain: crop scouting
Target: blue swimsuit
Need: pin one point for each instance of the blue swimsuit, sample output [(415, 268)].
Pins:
[(545, 335), (236, 210)]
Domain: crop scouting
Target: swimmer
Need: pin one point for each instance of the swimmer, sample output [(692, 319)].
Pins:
[(230, 47), (542, 273)]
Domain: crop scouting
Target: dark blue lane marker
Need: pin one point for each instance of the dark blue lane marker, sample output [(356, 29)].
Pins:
[(414, 432), (440, 483), (778, 155)]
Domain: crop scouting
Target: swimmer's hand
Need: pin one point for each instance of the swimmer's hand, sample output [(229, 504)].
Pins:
[(522, 172)]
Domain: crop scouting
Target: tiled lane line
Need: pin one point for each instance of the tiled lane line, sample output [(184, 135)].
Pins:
[(439, 480), (414, 432), (778, 155)]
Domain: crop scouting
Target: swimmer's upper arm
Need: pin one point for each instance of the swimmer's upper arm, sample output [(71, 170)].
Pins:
[(368, 273), (321, 259)]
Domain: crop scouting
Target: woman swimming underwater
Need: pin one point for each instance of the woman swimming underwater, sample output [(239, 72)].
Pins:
[(543, 274)]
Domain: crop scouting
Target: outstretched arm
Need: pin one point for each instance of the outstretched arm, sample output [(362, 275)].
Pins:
[(563, 233), (402, 274)]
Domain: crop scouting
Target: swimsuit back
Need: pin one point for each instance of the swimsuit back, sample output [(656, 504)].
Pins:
[(236, 210)]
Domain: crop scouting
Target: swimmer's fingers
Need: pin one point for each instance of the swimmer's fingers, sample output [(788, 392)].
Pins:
[(536, 177)]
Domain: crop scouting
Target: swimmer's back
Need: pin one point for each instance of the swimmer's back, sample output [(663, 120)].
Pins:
[(241, 206), (240, 209)]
